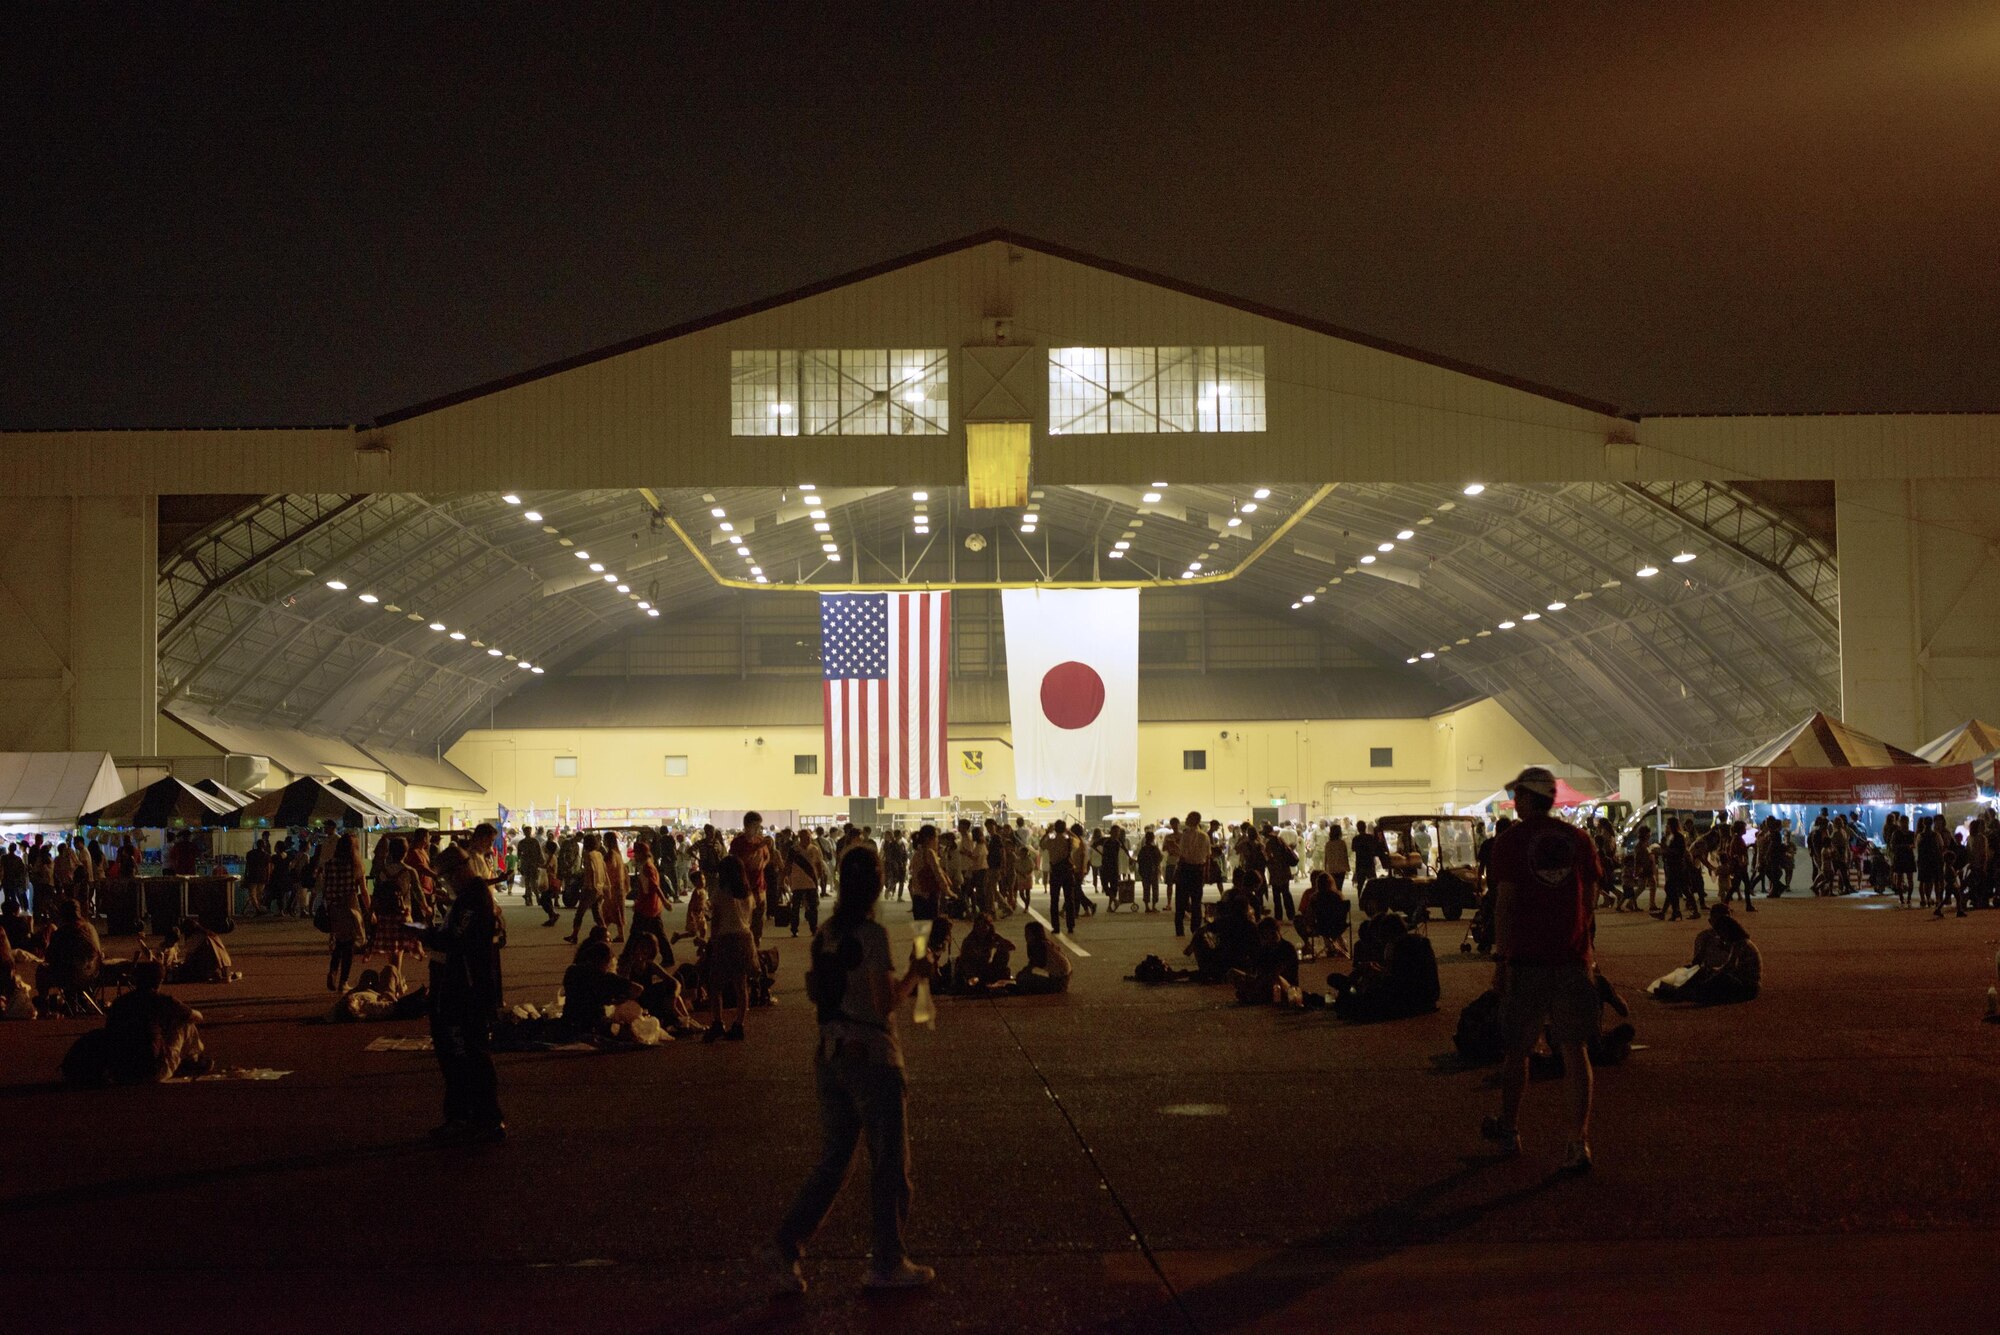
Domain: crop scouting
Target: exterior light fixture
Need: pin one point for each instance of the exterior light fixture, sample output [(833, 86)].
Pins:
[(611, 579), (1116, 555), (1262, 493), (1151, 498), (1506, 625), (828, 547), (1306, 598), (743, 551), (1297, 606), (1123, 544), (833, 556), (493, 653), (582, 555), (437, 625), (1235, 521), (1557, 606), (597, 567), (1531, 616), (655, 612), (338, 586), (458, 635), (1682, 558), (726, 526), (533, 516), (1385, 546), (1647, 572), (624, 588), (822, 527), (537, 671), (719, 512), (368, 598), (1368, 560), (511, 499), (1427, 654), (1409, 660), (1406, 534), (1474, 488), (920, 495)]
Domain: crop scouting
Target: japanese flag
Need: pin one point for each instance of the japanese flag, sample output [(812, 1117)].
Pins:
[(1073, 691)]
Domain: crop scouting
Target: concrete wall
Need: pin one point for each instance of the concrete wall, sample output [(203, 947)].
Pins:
[(78, 581), (1455, 758), (1919, 605)]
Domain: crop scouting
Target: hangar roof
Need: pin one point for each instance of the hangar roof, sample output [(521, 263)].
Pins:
[(1528, 592)]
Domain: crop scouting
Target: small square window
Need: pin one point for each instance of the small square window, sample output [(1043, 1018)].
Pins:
[(1194, 760), (805, 764), (677, 767), (1381, 757), (565, 767)]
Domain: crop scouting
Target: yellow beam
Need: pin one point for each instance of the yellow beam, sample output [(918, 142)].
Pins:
[(1220, 577)]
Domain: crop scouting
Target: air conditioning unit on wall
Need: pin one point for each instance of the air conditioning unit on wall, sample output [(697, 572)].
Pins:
[(246, 773)]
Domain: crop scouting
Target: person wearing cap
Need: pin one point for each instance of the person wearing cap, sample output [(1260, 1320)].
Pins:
[(1545, 882)]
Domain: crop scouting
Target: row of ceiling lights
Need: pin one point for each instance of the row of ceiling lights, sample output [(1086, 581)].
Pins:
[(493, 651), (1153, 496), (596, 567)]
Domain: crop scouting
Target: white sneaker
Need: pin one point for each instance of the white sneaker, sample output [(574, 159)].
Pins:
[(1577, 1161), (787, 1280), (905, 1274)]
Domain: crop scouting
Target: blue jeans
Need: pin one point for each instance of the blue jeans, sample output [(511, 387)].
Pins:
[(856, 1096)]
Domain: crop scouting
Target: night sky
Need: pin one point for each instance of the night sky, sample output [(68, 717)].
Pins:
[(212, 221)]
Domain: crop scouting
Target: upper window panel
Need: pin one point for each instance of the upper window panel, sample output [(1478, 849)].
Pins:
[(1093, 391), (840, 392)]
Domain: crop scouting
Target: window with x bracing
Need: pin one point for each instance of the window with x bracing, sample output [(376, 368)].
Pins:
[(840, 392)]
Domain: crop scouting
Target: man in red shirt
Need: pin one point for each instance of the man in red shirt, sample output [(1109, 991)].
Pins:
[(1545, 878)]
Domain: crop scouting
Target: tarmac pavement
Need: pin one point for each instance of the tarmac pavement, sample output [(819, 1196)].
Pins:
[(1123, 1158)]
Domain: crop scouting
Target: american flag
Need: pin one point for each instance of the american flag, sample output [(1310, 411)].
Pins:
[(884, 657)]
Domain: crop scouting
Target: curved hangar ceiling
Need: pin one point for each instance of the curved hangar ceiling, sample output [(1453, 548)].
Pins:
[(397, 619)]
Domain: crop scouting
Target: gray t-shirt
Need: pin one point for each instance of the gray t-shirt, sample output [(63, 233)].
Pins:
[(858, 1020)]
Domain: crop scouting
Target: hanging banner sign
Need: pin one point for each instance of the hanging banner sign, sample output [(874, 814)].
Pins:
[(1695, 789), (1859, 785)]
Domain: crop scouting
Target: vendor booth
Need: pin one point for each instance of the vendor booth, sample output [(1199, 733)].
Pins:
[(1970, 743), (156, 903), (309, 802)]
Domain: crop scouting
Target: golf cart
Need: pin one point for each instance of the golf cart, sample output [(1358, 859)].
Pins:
[(1432, 865)]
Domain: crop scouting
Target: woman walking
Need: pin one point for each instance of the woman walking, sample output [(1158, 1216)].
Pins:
[(347, 913), (858, 1070), (615, 887)]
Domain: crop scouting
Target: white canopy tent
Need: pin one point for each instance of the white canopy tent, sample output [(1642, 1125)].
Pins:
[(50, 790)]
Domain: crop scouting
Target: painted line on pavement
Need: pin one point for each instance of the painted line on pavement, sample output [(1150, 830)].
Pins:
[(1069, 942)]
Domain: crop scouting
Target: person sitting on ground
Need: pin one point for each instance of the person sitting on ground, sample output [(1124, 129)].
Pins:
[(1726, 962), (590, 986), (197, 955), (1380, 927), (1404, 984), (1273, 975), (147, 1037), (1228, 940), (70, 965), (982, 960), (640, 964), (1048, 967)]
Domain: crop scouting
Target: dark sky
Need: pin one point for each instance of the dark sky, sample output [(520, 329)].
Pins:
[(1692, 206)]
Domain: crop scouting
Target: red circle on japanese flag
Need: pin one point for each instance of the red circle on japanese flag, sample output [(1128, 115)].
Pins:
[(1072, 695)]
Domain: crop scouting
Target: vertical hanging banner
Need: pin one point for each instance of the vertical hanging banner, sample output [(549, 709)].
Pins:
[(1073, 691), (884, 684)]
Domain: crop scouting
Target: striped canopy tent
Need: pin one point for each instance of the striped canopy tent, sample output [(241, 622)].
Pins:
[(311, 801), (165, 804), (217, 788), (1821, 742), (393, 816), (1971, 741)]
